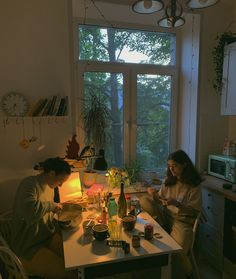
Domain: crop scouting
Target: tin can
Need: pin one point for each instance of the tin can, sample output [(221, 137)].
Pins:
[(135, 241), (148, 231)]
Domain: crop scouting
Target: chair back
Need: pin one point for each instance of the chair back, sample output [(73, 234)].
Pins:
[(195, 226), (5, 227), (12, 266)]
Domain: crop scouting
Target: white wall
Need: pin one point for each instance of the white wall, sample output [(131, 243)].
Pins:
[(35, 61), (212, 127)]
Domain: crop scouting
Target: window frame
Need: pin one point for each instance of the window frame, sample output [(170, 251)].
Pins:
[(129, 86)]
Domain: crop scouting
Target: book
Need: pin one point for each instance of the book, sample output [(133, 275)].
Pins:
[(52, 105), (61, 107), (65, 108), (35, 107), (56, 106), (39, 109), (46, 107)]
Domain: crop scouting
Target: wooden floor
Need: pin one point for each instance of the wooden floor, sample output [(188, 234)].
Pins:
[(207, 271)]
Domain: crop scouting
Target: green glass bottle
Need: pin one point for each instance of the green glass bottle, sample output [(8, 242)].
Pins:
[(122, 205)]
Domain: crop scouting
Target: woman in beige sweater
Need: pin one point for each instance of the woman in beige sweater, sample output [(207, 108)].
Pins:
[(35, 236), (177, 203)]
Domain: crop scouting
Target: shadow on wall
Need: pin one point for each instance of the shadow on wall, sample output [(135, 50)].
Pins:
[(9, 182), (7, 193)]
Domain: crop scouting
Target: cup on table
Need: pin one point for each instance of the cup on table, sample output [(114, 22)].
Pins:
[(128, 222), (100, 232), (88, 227)]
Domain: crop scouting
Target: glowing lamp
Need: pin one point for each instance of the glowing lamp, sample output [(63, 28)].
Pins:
[(71, 189)]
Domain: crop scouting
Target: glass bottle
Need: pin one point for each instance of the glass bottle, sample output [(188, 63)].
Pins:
[(122, 204), (112, 207)]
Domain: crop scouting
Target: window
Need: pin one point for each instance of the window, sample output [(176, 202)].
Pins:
[(134, 72)]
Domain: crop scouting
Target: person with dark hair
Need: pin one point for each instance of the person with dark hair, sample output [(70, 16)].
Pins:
[(35, 235), (176, 205)]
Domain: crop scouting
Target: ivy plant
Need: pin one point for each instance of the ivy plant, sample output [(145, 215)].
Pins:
[(218, 57)]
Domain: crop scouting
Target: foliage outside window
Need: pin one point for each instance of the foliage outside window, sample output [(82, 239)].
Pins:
[(150, 114)]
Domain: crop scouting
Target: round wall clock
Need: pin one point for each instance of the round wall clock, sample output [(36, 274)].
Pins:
[(14, 104)]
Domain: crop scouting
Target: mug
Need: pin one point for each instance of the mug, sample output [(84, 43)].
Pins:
[(87, 227), (128, 222), (100, 232)]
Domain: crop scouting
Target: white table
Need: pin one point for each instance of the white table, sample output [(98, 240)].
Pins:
[(91, 257)]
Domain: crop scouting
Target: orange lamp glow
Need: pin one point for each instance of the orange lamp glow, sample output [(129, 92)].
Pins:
[(71, 189)]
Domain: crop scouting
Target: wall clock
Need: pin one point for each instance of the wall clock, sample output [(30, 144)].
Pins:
[(14, 104)]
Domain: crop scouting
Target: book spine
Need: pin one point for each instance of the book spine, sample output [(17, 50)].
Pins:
[(61, 107), (38, 111)]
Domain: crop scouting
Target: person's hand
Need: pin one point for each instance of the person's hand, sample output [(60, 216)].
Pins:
[(58, 207), (173, 202), (151, 191)]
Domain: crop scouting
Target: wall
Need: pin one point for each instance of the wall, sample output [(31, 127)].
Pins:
[(212, 127), (35, 61)]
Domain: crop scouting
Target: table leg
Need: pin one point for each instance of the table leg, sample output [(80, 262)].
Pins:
[(166, 270), (80, 273)]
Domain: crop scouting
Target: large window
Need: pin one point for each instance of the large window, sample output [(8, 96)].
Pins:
[(134, 73)]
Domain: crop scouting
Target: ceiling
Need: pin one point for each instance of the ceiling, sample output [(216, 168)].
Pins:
[(130, 2)]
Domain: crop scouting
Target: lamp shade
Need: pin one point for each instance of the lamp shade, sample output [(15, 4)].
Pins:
[(168, 22), (71, 188), (147, 6), (200, 4)]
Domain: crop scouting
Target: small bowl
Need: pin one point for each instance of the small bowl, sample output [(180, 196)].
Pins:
[(128, 222)]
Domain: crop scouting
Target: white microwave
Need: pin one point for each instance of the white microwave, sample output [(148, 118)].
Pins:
[(223, 167)]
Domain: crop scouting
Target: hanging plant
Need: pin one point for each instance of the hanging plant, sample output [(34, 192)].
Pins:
[(218, 57)]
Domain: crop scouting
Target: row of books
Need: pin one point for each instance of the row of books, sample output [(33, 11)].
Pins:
[(57, 106)]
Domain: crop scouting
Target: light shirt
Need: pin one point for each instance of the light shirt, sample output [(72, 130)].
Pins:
[(183, 193)]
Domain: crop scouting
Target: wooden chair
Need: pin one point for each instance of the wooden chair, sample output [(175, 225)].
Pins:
[(11, 263), (12, 266), (191, 251)]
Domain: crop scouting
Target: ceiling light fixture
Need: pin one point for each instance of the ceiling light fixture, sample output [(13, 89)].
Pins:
[(173, 11)]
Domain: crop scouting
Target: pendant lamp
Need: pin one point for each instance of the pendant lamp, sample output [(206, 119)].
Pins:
[(147, 6), (200, 4), (173, 16)]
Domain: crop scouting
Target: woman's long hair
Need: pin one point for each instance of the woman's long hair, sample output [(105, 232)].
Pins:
[(190, 175)]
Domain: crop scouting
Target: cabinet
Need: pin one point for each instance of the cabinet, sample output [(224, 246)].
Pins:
[(211, 232), (228, 97)]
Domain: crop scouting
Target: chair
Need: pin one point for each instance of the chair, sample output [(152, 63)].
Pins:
[(11, 262), (12, 266), (191, 251)]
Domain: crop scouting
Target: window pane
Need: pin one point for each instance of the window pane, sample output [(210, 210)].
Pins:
[(153, 121), (109, 87), (126, 46)]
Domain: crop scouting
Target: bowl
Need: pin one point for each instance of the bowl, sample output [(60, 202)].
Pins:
[(128, 222), (70, 216)]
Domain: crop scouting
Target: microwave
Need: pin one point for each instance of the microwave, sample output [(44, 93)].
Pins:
[(223, 167)]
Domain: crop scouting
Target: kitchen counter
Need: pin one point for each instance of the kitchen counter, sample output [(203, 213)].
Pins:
[(216, 185)]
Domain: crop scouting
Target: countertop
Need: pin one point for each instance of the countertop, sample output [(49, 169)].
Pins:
[(216, 185)]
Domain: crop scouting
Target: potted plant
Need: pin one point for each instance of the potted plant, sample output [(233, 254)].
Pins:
[(218, 57), (96, 119)]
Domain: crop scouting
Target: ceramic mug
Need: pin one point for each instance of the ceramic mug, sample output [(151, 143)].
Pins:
[(100, 232), (128, 222)]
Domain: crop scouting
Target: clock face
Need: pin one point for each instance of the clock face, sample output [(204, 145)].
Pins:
[(14, 104)]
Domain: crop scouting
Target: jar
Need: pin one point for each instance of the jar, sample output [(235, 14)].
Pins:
[(135, 241), (148, 231)]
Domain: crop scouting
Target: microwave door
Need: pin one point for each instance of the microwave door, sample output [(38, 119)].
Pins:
[(217, 168)]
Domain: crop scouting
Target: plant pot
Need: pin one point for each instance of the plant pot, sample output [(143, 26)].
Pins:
[(89, 178)]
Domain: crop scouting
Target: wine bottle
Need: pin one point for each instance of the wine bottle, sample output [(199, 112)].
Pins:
[(122, 205)]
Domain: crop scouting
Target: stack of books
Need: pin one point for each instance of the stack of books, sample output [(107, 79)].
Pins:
[(55, 106)]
